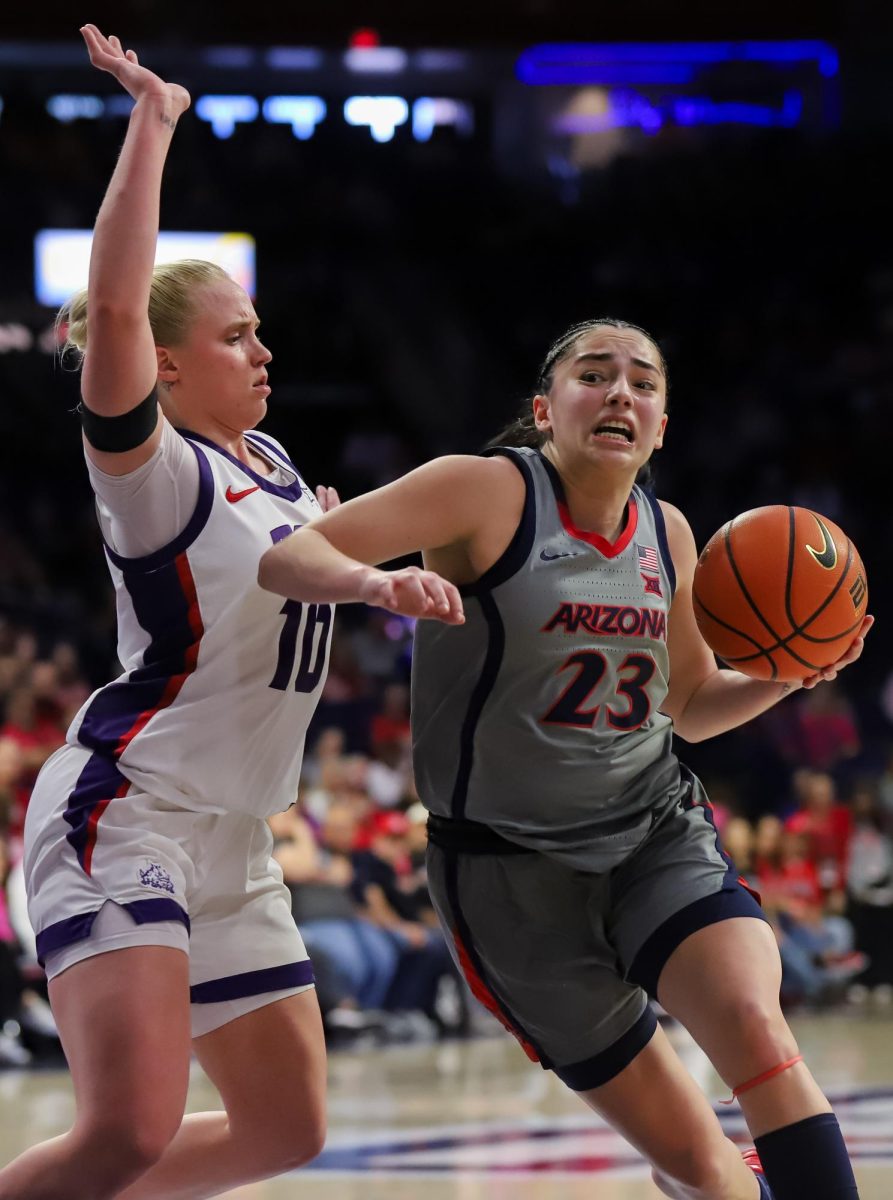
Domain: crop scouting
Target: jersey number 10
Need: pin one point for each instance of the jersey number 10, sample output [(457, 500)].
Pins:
[(313, 649)]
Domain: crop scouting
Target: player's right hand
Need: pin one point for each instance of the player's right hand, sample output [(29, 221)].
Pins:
[(108, 54), (414, 593)]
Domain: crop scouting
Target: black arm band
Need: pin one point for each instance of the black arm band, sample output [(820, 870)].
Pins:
[(114, 435)]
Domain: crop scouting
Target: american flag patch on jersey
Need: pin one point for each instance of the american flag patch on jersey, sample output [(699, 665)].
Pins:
[(648, 559)]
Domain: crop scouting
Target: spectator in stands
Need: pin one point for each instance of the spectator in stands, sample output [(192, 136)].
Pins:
[(37, 732), (869, 883), (826, 825), (389, 895), (824, 729), (363, 957), (816, 944)]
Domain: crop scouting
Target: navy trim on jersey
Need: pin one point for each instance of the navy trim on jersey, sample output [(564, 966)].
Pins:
[(166, 607), (253, 983), (292, 491), (518, 550), (601, 1068), (661, 526), (184, 539), (75, 929), (477, 700)]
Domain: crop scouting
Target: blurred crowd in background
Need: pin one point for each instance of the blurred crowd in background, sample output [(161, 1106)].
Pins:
[(408, 293)]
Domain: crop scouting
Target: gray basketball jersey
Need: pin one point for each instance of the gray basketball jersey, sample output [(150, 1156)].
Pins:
[(540, 716)]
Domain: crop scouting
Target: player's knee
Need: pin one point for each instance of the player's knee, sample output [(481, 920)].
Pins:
[(697, 1172), (309, 1142), (128, 1150), (299, 1144), (759, 1028)]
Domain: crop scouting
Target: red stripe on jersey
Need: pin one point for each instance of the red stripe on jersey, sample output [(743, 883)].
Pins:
[(609, 549), (92, 824), (190, 657), (753, 892), (481, 992)]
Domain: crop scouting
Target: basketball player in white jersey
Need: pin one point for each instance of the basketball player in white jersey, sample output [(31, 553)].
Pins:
[(159, 913), (572, 859)]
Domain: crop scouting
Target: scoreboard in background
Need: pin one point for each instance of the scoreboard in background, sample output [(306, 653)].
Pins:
[(558, 89)]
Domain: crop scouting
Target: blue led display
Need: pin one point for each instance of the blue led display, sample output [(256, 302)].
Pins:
[(659, 62)]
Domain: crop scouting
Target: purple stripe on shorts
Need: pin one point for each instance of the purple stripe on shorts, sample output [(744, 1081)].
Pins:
[(253, 983), (156, 908), (99, 781), (75, 929)]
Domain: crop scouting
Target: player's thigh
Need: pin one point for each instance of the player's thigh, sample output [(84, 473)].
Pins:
[(270, 1069), (123, 1019), (723, 984)]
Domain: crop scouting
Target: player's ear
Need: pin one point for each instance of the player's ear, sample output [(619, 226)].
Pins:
[(659, 440), (168, 371), (541, 417)]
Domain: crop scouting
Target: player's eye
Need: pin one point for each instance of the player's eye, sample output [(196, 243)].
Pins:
[(592, 376)]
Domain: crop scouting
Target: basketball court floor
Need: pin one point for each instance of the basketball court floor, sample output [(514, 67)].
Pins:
[(474, 1121)]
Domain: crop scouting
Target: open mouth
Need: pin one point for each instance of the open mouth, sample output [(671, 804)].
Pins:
[(615, 432)]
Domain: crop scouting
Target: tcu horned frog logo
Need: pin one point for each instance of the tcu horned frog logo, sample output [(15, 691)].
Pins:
[(153, 875)]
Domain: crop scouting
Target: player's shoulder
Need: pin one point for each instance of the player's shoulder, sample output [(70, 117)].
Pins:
[(674, 518), (679, 533), (474, 469)]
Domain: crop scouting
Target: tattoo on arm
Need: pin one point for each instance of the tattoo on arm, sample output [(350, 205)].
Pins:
[(166, 120)]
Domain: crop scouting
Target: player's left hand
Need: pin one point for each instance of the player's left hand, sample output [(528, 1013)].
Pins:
[(851, 655), (327, 497)]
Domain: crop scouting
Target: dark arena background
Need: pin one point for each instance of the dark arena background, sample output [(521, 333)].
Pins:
[(420, 198)]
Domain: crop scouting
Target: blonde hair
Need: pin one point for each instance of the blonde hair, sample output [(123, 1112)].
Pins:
[(171, 305)]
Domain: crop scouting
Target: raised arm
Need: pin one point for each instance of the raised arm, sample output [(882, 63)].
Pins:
[(120, 365), (704, 699), (460, 511)]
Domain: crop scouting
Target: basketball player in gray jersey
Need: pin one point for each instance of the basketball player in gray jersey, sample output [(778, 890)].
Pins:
[(573, 860)]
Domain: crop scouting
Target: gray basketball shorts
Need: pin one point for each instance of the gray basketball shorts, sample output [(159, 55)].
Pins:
[(567, 959)]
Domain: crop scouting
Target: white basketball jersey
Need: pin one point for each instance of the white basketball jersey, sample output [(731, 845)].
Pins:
[(220, 677)]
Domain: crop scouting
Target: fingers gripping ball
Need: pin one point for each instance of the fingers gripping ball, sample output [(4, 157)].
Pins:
[(779, 593)]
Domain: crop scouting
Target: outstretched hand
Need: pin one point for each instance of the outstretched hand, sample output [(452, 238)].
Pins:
[(414, 593), (327, 498), (851, 655), (108, 54)]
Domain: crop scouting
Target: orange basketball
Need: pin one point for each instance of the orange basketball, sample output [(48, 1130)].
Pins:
[(779, 593)]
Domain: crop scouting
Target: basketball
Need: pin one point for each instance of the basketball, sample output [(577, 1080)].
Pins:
[(779, 593)]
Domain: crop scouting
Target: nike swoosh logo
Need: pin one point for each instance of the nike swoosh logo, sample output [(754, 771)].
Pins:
[(234, 497), (547, 557), (827, 556)]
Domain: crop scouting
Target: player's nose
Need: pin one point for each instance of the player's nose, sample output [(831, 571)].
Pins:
[(620, 392)]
